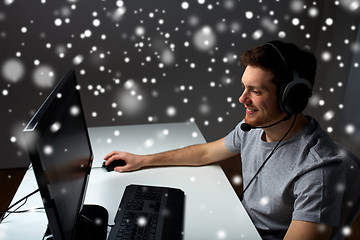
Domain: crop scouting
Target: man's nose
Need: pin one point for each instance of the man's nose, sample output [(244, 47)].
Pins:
[(244, 97)]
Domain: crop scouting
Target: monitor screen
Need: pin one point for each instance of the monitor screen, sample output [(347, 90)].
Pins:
[(58, 144)]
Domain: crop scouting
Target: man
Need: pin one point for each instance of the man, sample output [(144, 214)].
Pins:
[(290, 166)]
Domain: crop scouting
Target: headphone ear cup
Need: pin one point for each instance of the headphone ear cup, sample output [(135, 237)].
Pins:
[(295, 96)]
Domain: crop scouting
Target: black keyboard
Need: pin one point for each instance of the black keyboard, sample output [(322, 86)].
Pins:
[(149, 213)]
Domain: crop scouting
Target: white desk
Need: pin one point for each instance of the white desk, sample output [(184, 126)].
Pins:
[(212, 208)]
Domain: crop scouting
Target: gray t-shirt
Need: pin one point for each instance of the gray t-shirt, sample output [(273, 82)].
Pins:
[(302, 180)]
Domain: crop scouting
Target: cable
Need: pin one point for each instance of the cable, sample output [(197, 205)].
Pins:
[(2, 212), (96, 223), (26, 197), (3, 216), (271, 153), (28, 210), (13, 205)]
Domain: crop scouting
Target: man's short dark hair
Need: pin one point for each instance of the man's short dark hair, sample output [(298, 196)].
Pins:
[(267, 58)]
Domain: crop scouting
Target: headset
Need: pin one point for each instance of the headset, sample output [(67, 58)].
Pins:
[(294, 96)]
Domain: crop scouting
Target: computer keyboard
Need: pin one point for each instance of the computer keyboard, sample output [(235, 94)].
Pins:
[(149, 212)]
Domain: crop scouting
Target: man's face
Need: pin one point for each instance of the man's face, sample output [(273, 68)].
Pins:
[(259, 97)]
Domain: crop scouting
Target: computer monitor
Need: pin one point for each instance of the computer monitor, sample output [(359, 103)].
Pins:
[(58, 144)]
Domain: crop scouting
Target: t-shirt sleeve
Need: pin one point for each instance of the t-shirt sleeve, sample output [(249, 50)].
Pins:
[(318, 195), (233, 139)]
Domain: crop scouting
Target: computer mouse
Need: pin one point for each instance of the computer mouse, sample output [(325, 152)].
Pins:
[(113, 164)]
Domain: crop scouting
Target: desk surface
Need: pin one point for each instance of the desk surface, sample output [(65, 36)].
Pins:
[(212, 208)]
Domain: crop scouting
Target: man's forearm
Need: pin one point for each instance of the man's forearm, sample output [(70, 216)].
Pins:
[(187, 156), (195, 155)]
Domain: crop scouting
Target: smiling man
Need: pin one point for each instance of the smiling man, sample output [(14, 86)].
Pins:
[(290, 166)]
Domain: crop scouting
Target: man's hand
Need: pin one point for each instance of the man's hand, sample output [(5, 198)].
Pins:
[(133, 162)]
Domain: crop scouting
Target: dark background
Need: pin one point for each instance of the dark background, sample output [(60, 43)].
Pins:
[(155, 61)]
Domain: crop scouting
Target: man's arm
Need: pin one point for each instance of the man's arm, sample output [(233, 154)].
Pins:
[(195, 155), (307, 231)]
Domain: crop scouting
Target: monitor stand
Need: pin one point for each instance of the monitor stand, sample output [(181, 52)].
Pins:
[(94, 226)]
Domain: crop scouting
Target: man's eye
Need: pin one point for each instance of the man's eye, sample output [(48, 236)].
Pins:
[(256, 92)]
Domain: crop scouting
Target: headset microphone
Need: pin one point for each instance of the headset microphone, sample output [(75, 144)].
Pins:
[(247, 127)]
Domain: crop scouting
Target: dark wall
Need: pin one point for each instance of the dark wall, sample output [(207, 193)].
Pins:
[(155, 61)]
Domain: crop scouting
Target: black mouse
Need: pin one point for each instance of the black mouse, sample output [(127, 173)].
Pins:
[(113, 164)]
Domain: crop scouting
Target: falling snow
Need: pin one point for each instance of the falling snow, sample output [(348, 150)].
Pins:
[(221, 234), (236, 180), (170, 61), (48, 150)]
